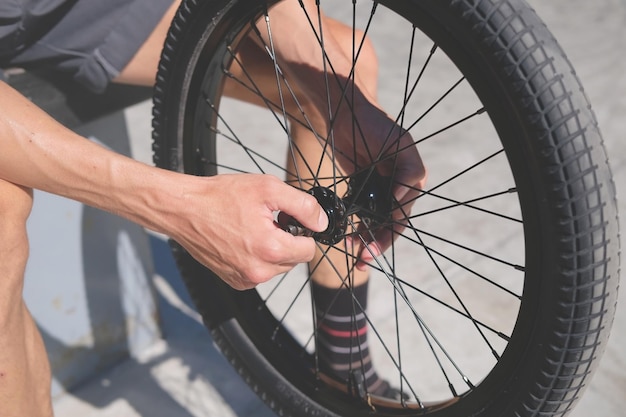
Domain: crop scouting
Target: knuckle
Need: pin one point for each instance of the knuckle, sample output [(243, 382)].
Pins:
[(271, 182), (308, 203), (252, 277), (259, 276), (273, 252)]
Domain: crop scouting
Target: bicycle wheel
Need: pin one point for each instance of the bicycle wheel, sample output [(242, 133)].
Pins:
[(497, 297)]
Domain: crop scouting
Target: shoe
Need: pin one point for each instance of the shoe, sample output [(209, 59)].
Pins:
[(381, 390), (386, 391)]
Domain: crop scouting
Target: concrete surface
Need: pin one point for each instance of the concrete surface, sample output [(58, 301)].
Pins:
[(184, 375), (90, 292)]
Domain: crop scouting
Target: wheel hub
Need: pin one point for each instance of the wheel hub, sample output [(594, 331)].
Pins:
[(335, 210), (368, 196)]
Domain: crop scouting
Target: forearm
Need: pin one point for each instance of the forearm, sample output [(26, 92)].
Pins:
[(38, 152)]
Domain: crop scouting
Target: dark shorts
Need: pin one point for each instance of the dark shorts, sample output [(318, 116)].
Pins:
[(95, 40)]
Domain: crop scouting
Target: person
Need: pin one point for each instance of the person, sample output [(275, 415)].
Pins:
[(120, 41)]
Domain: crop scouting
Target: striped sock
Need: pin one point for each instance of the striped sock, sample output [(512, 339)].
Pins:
[(342, 346)]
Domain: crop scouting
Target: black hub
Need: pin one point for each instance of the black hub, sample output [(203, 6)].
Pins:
[(336, 211), (368, 196)]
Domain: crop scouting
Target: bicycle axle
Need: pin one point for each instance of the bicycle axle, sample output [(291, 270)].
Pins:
[(368, 196)]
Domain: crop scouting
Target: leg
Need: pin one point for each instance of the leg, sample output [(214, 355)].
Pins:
[(323, 272), (142, 69), (334, 278), (340, 290), (24, 370), (309, 149)]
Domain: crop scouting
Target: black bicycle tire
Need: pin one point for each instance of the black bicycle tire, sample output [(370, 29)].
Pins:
[(558, 361)]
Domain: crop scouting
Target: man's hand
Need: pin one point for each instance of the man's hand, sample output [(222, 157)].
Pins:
[(227, 223), (380, 142)]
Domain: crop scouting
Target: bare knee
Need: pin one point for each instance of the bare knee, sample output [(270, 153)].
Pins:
[(16, 202), (367, 64), (15, 206), (361, 46)]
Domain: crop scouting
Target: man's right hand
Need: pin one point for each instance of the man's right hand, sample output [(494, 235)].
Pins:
[(227, 223)]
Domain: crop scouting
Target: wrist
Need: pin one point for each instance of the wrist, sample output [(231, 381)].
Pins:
[(151, 197)]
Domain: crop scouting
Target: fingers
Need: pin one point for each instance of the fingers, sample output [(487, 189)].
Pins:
[(279, 251), (367, 254), (372, 243), (235, 235), (303, 207)]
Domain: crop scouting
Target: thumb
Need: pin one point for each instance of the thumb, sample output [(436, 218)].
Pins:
[(304, 208)]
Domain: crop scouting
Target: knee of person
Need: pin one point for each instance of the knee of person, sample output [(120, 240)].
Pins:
[(368, 59), (368, 51), (350, 39), (16, 203), (15, 206)]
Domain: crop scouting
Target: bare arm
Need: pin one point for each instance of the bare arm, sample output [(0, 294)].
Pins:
[(226, 222)]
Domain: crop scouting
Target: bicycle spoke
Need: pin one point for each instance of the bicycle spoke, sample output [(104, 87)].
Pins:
[(395, 282), (458, 298), (428, 331), (279, 78), (468, 249), (308, 172), (453, 309), (432, 351), (430, 250), (252, 153), (468, 204)]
